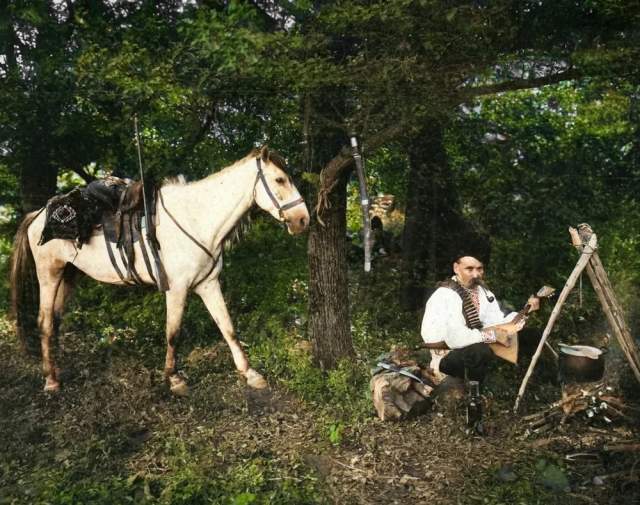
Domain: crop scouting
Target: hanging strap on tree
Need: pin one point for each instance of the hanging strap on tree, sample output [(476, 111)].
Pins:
[(364, 202)]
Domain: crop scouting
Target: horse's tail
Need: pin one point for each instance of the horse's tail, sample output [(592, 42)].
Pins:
[(25, 290)]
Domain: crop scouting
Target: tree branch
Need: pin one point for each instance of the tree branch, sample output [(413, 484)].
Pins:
[(344, 160), (87, 177), (516, 84)]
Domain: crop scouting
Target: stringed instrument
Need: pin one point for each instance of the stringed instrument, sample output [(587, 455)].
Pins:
[(510, 353)]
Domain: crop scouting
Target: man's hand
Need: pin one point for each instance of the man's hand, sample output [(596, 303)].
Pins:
[(504, 331), (503, 338)]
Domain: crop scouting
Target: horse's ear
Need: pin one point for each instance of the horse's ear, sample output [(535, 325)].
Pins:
[(264, 153)]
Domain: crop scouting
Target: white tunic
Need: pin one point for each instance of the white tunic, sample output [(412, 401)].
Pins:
[(444, 321)]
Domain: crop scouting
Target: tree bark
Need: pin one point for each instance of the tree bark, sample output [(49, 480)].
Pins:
[(415, 237), (329, 322), (38, 182), (434, 225)]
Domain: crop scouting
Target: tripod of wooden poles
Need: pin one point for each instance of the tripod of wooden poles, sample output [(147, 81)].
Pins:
[(585, 240)]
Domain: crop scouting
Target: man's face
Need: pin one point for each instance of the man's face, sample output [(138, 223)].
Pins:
[(469, 271)]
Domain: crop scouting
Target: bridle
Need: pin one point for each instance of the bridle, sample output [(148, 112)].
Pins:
[(274, 200), (281, 209)]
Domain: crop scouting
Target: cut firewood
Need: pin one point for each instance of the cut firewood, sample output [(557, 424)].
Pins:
[(396, 396), (590, 401), (422, 389), (622, 448), (401, 403), (382, 399), (399, 382)]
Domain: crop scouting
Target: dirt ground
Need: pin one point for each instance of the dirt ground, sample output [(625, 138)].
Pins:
[(114, 417)]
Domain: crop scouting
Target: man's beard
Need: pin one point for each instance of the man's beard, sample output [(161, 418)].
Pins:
[(475, 282)]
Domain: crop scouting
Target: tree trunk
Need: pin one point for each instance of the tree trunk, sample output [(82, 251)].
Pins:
[(37, 183), (329, 322), (434, 225), (426, 205)]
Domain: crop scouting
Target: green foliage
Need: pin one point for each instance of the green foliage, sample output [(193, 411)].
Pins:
[(255, 481), (8, 191), (530, 485), (335, 433), (386, 173), (563, 159), (5, 254), (119, 319)]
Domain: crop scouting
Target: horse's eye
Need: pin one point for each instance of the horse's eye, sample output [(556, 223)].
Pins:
[(280, 180)]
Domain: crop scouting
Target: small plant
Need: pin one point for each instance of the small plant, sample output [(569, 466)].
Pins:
[(335, 433)]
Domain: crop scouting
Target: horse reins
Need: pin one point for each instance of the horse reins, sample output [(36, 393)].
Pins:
[(280, 208), (192, 238)]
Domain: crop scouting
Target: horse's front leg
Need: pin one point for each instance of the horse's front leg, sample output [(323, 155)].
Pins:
[(212, 297), (175, 299)]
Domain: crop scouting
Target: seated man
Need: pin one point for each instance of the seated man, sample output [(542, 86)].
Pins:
[(458, 314)]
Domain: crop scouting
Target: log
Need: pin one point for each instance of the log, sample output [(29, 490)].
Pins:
[(382, 400), (616, 412), (412, 398), (618, 403), (400, 402), (395, 396), (422, 389), (549, 410), (587, 251), (622, 448), (399, 382)]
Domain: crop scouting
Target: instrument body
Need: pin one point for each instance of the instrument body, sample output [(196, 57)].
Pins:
[(510, 352)]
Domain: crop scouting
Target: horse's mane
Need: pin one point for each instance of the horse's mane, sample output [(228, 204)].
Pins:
[(272, 155), (237, 232), (244, 223)]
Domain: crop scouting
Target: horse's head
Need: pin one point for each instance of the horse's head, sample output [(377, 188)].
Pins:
[(276, 194)]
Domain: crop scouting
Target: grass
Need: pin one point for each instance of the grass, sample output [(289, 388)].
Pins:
[(115, 435)]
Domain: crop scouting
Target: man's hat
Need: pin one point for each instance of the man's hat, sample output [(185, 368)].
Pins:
[(479, 251)]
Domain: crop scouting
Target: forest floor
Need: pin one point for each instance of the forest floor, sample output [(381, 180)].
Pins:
[(114, 434)]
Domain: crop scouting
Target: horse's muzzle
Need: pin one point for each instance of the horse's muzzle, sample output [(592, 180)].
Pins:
[(297, 219)]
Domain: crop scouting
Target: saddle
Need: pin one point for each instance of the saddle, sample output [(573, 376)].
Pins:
[(117, 206)]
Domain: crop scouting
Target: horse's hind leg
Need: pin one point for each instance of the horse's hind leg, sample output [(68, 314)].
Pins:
[(49, 280), (176, 299), (62, 296), (212, 298)]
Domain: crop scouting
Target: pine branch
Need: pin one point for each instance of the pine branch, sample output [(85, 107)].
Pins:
[(516, 84)]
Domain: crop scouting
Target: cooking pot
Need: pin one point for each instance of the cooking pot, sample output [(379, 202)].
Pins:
[(581, 363)]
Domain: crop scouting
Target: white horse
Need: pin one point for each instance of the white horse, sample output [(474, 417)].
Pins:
[(193, 220)]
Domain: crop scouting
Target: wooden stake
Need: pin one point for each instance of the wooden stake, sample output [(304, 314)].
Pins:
[(604, 290), (614, 314), (587, 251)]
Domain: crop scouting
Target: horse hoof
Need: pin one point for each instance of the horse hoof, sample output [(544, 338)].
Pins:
[(178, 386), (255, 380), (51, 386)]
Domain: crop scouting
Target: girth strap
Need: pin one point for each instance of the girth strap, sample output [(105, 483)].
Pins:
[(143, 248), (112, 257)]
